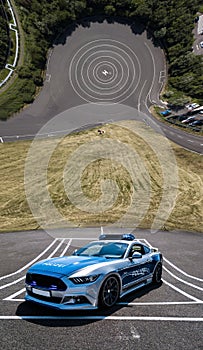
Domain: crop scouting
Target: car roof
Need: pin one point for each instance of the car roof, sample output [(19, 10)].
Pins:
[(117, 241)]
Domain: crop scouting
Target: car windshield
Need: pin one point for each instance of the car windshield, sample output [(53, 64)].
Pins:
[(103, 249)]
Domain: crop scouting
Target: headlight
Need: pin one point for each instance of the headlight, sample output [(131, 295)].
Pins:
[(85, 279)]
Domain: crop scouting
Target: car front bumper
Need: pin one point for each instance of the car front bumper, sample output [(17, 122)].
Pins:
[(75, 297)]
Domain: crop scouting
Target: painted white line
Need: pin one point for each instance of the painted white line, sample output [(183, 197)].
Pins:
[(181, 271), (48, 78), (121, 318), (20, 279), (57, 248), (162, 75), (12, 296), (175, 267), (181, 280), (66, 248), (30, 263), (140, 94), (180, 137), (149, 244), (154, 73), (181, 291), (164, 303), (11, 283), (90, 238), (134, 332), (158, 303)]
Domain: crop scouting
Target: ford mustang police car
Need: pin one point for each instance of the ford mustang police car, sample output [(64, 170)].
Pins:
[(96, 275)]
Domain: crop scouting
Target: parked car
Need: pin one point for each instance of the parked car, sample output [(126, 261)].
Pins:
[(188, 120), (196, 123), (166, 112), (201, 44), (192, 106), (96, 275), (182, 117)]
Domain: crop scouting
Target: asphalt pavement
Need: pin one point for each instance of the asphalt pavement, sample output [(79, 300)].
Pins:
[(168, 316), (100, 63)]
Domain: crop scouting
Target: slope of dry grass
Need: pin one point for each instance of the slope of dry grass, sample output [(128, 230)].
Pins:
[(92, 179)]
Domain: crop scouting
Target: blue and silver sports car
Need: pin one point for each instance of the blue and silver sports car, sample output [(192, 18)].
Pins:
[(96, 275)]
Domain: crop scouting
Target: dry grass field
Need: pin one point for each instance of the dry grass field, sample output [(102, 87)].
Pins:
[(128, 176)]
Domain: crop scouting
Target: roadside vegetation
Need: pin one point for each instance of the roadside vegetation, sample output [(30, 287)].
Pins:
[(15, 213), (4, 38), (171, 23)]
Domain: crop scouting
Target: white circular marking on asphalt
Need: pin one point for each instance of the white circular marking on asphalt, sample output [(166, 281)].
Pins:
[(105, 64), (100, 93), (100, 63), (112, 72), (109, 87)]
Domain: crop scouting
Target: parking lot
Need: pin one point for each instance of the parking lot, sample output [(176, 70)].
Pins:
[(165, 316)]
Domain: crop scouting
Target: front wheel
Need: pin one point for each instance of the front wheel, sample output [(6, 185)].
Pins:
[(109, 292), (157, 274)]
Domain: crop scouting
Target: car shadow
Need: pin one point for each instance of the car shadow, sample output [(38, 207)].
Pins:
[(48, 317)]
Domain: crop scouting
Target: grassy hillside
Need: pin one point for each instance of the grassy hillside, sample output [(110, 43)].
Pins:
[(101, 172)]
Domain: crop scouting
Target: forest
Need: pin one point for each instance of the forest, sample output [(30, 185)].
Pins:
[(4, 37), (170, 21)]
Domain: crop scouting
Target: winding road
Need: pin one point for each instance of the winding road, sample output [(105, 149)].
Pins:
[(101, 63)]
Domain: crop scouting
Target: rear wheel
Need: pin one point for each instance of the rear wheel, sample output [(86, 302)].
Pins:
[(109, 292), (157, 274)]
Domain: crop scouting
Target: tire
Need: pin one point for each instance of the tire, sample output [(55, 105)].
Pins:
[(109, 292), (157, 274)]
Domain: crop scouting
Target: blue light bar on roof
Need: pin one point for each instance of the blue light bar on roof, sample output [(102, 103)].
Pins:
[(125, 236)]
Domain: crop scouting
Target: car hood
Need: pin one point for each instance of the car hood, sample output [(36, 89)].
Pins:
[(66, 265)]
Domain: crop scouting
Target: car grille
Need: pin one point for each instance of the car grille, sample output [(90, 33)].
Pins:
[(56, 300), (44, 281)]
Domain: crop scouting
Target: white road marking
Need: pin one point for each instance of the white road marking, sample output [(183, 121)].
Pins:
[(181, 291), (11, 283), (57, 248), (140, 94), (30, 263), (154, 73), (134, 332), (162, 75), (121, 318), (12, 296), (66, 248), (161, 303), (48, 78), (181, 271), (181, 280), (105, 72)]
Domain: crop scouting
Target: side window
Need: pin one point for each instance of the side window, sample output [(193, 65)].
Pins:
[(146, 249), (136, 248), (143, 249)]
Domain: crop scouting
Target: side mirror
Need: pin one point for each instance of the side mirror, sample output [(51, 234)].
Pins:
[(75, 252), (136, 255)]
